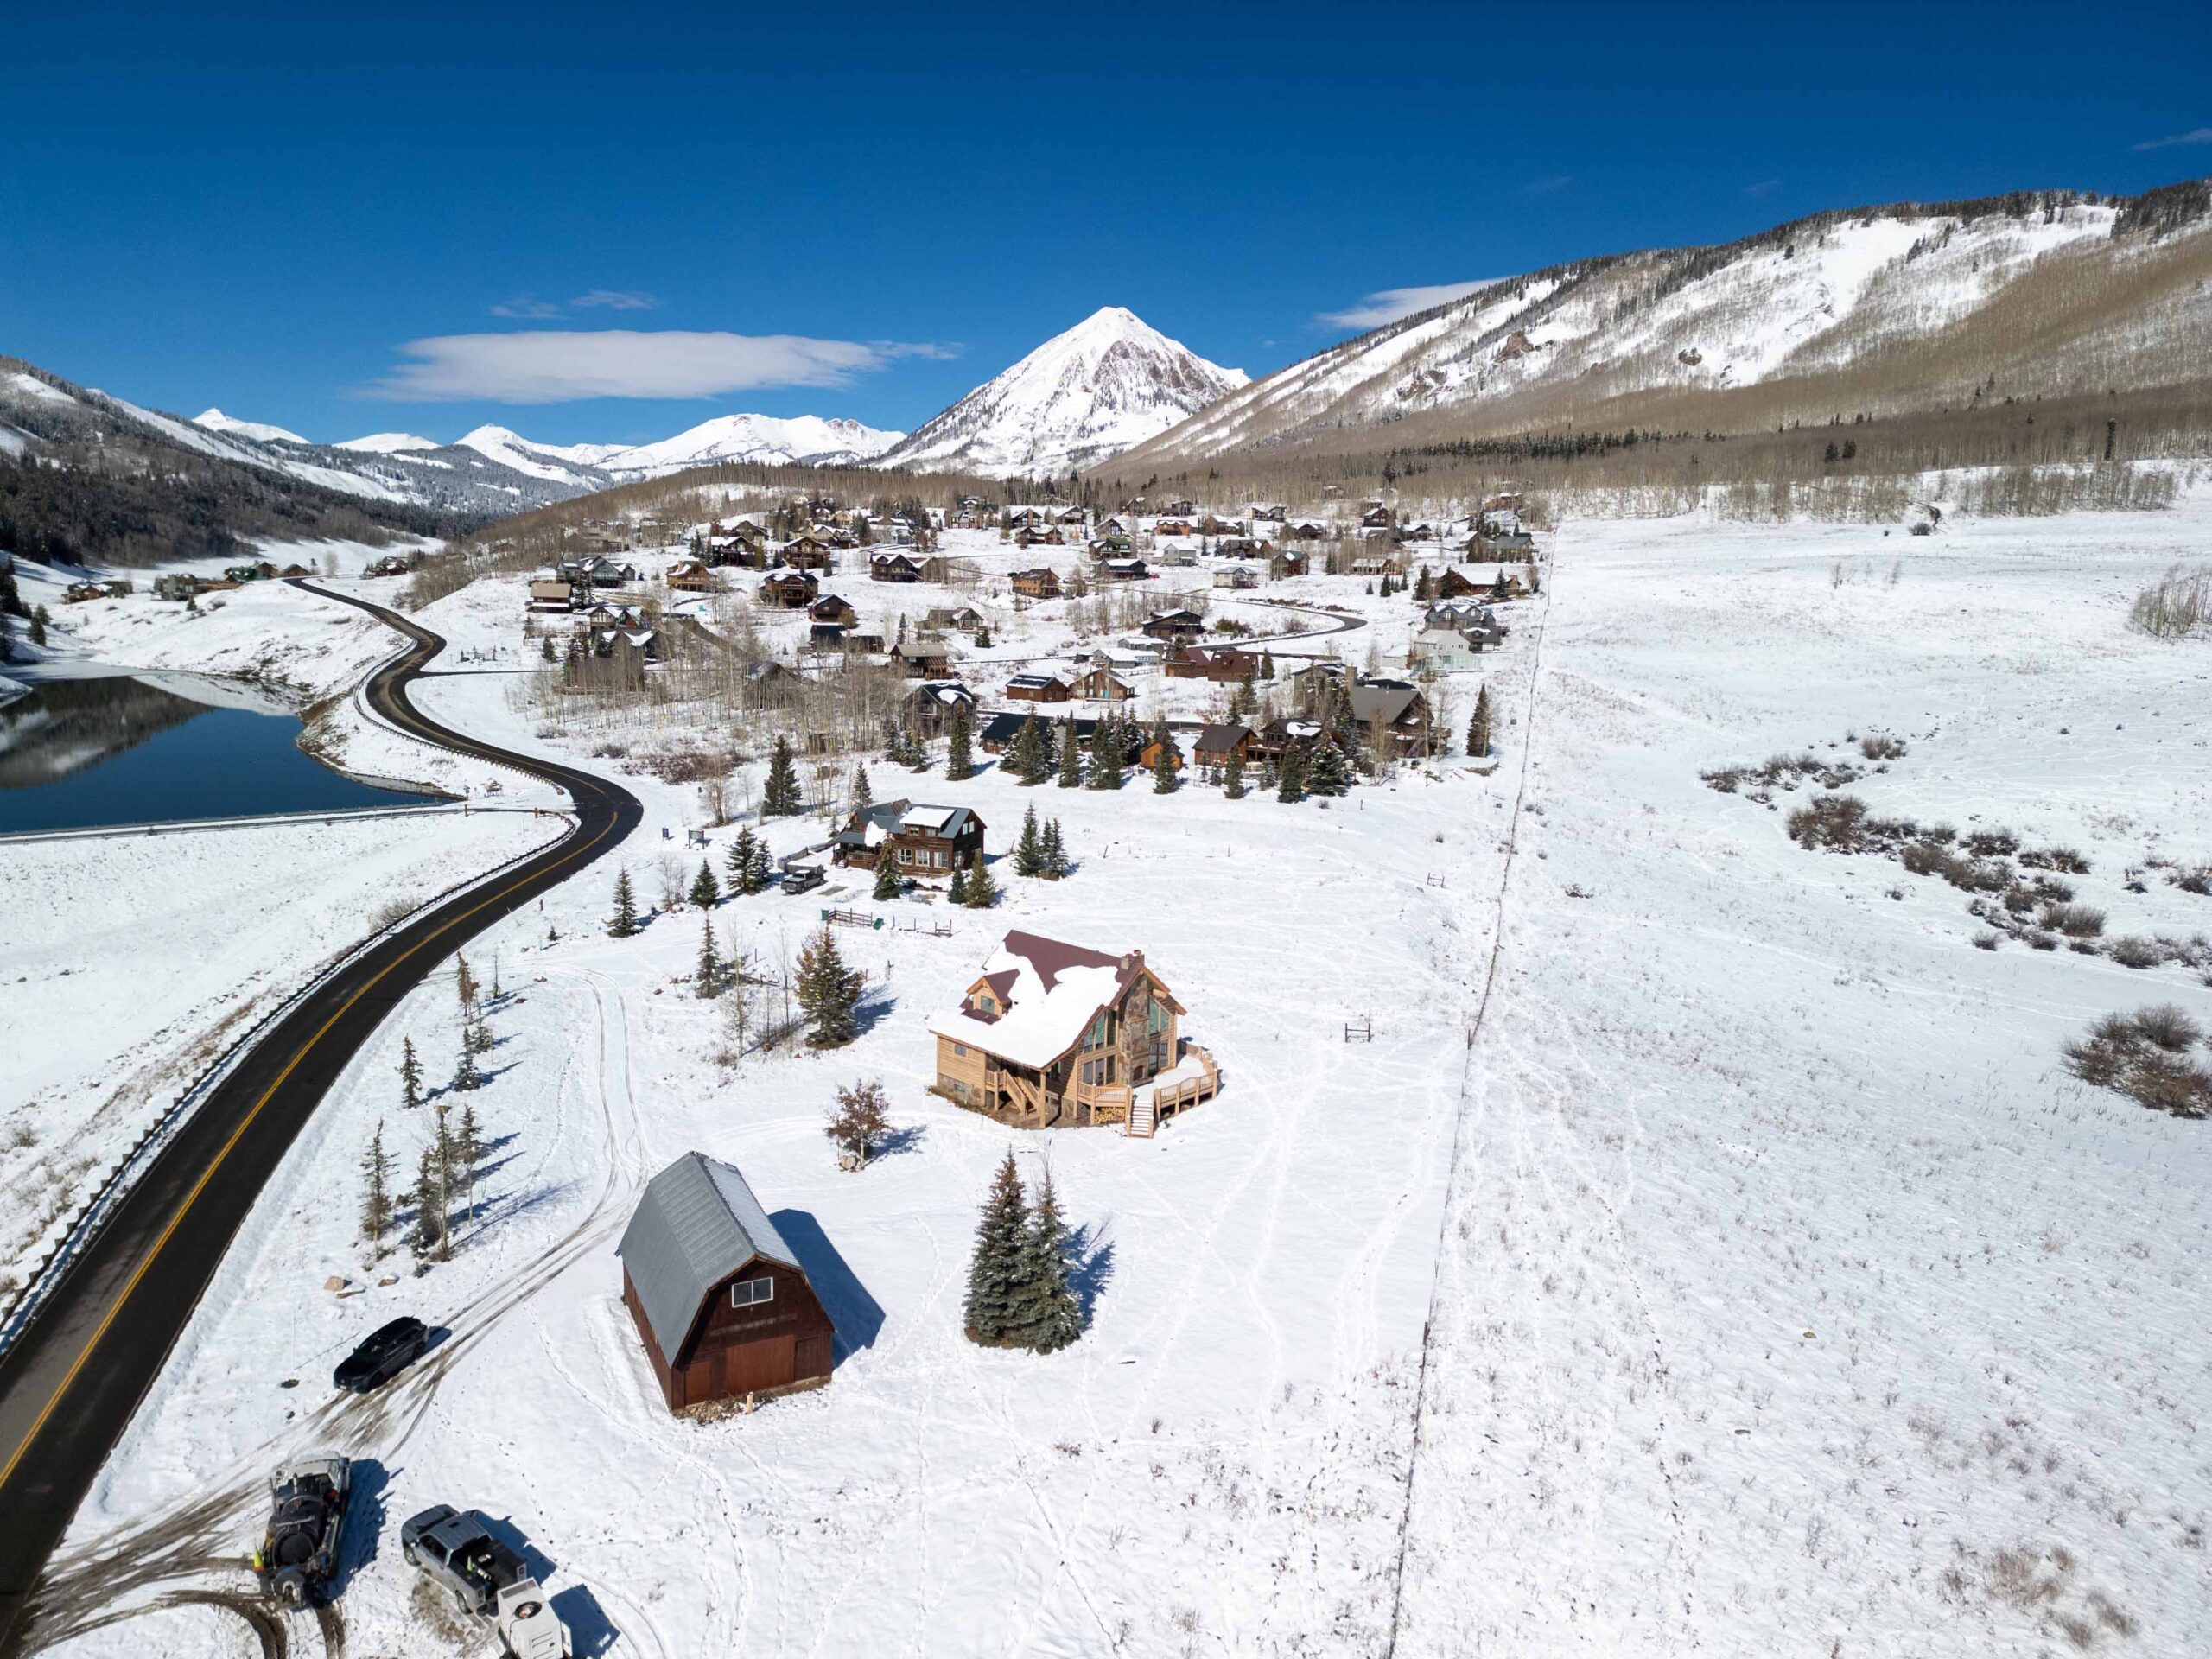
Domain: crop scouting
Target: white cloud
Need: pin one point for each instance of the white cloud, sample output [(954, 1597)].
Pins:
[(2194, 136), (561, 366), (612, 299), (524, 306), (1392, 303)]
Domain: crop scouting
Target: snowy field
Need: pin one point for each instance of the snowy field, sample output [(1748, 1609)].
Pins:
[(1791, 1299)]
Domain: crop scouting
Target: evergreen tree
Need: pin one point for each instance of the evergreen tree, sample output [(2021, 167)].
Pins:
[(994, 1273), (1048, 1314), (465, 1074), (1232, 776), (739, 865), (956, 890), (410, 1075), (863, 794), (829, 992), (760, 868), (705, 893), (1267, 665), (958, 739), (1291, 786), (624, 920), (1164, 757), (1031, 758), (1071, 756), (1029, 851), (376, 1191), (38, 626), (468, 1148), (887, 877), (1055, 851), (707, 979), (982, 891), (429, 1195), (1327, 772), (476, 1031), (1478, 726), (779, 795), (1107, 754)]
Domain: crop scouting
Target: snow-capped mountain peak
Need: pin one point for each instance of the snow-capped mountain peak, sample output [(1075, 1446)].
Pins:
[(260, 431), (1108, 384), (388, 444)]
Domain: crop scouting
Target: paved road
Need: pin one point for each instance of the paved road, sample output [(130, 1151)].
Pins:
[(69, 1385)]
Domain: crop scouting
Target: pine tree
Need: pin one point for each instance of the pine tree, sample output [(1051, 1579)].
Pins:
[(476, 1031), (410, 1075), (992, 1275), (887, 877), (1029, 851), (707, 978), (982, 891), (376, 1192), (625, 921), (1232, 775), (1292, 786), (1267, 665), (468, 1148), (862, 793), (430, 1197), (1109, 753), (828, 992), (739, 861), (705, 894), (1164, 758), (955, 891), (465, 1074), (1071, 756), (1478, 726), (958, 739), (1056, 852), (1048, 1314), (38, 626), (1327, 772), (779, 795)]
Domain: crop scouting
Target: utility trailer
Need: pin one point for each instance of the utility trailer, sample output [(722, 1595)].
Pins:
[(307, 1518), (456, 1550)]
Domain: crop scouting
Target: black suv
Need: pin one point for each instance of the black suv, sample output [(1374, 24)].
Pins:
[(381, 1356)]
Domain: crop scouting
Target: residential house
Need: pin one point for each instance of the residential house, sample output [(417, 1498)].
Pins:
[(1173, 527), (391, 565), (1269, 742), (1070, 516), (1049, 535), (691, 576), (545, 595), (1282, 565), (1054, 1033), (921, 841), (1305, 529), (929, 706), (1176, 625), (808, 551), (789, 590), (831, 609), (1239, 577), (1098, 683), (720, 1300), (1043, 582), (1155, 745), (1223, 664), (1215, 746), (1266, 512), (1036, 688), (953, 619), (1003, 728), (1122, 570), (922, 659), (1109, 547), (1397, 713), (894, 567)]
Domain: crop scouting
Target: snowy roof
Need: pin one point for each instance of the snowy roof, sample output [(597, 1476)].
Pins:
[(697, 1223), (937, 820), (1052, 992)]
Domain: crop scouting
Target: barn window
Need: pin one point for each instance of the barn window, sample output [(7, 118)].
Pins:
[(749, 1293)]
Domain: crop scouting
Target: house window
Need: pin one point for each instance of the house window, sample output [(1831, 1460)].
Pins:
[(905, 855), (750, 1293), (960, 1049), (1156, 1017)]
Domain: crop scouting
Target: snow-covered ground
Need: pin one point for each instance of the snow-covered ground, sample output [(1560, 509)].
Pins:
[(1785, 1294)]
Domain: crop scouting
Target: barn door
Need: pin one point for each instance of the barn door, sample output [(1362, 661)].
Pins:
[(749, 1367), (811, 1357)]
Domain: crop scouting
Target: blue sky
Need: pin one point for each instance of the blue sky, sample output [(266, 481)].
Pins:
[(608, 223)]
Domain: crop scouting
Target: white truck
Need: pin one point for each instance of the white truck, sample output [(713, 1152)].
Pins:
[(454, 1548)]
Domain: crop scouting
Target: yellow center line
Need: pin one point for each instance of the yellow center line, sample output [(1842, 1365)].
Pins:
[(206, 1175)]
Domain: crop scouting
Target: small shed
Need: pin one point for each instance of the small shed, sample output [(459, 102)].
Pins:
[(720, 1301)]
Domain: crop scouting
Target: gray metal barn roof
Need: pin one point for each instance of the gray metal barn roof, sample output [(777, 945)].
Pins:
[(697, 1223)]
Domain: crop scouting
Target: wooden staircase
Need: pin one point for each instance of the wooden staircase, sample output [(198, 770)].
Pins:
[(1142, 1120)]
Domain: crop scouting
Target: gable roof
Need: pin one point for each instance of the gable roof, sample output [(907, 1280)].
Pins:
[(1214, 738), (1051, 991), (697, 1223), (1389, 702)]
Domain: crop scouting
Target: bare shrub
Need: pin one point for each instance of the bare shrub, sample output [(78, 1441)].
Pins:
[(1986, 940), (1835, 822), (2043, 941), (860, 1120), (2064, 859), (1992, 843), (2176, 606), (1880, 746), (2196, 879), (2144, 1055), (2136, 951), (2075, 921), (1924, 858)]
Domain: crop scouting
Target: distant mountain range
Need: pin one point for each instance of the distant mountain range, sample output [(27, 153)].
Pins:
[(1108, 384), (1878, 310)]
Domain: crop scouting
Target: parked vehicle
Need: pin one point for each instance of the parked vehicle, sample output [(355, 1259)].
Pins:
[(456, 1550), (307, 1517), (803, 878), (384, 1354)]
